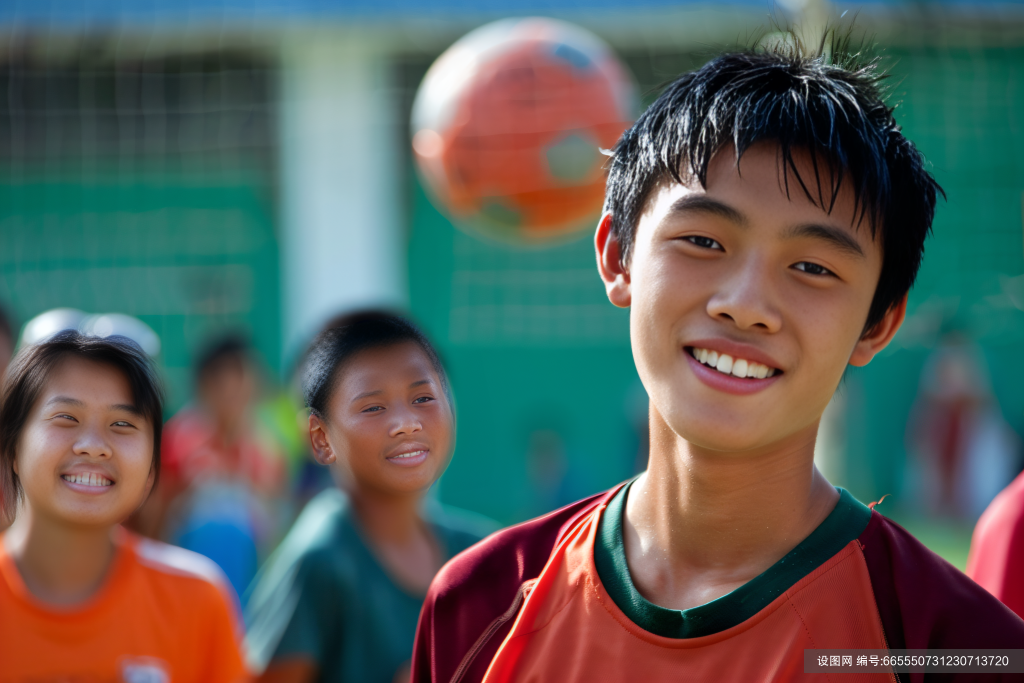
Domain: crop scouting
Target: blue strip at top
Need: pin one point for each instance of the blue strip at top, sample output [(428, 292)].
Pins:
[(92, 13)]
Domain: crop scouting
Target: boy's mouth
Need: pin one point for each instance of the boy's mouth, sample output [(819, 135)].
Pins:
[(728, 365), (87, 479)]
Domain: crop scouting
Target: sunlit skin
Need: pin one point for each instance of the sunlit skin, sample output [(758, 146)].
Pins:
[(84, 422), (741, 268), (386, 403)]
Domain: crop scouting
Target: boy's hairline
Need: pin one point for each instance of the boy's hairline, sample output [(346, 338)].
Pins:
[(665, 178)]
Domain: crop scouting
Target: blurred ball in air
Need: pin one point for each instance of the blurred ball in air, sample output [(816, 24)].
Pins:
[(509, 123)]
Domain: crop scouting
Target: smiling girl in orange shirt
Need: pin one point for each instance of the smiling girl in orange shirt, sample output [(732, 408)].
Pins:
[(80, 597)]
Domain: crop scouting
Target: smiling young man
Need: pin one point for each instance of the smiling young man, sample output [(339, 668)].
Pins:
[(764, 221)]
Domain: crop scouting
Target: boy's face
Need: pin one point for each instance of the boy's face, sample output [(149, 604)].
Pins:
[(389, 422), (743, 270), (85, 455)]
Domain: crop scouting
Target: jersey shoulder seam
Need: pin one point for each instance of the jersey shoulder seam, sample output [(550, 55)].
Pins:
[(174, 561)]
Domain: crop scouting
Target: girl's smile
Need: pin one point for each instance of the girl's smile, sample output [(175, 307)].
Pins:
[(88, 482), (410, 456)]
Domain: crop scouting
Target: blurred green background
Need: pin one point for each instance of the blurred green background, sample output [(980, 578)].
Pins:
[(147, 180)]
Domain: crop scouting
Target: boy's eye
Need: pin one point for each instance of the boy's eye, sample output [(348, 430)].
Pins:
[(424, 399), (373, 409), (812, 268), (122, 423), (703, 242), (65, 416)]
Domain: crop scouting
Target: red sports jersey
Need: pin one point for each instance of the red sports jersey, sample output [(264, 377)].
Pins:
[(570, 629), (529, 603), (997, 549)]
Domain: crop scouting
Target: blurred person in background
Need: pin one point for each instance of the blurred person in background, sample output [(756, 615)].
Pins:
[(223, 477), (340, 598), (963, 451), (80, 597), (996, 560)]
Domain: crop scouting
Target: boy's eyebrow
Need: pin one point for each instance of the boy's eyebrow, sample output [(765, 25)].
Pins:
[(826, 233), (701, 203), (419, 383)]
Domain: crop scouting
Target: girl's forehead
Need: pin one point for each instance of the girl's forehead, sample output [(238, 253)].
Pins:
[(387, 364), (87, 381)]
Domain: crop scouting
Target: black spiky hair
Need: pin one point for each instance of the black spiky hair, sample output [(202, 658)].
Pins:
[(829, 102)]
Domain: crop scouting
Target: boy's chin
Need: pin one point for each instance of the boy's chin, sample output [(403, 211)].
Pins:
[(724, 437), (726, 445)]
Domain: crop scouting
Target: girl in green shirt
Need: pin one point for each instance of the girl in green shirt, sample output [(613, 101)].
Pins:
[(340, 598)]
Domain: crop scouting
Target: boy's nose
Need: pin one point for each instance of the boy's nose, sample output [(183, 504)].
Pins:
[(746, 300)]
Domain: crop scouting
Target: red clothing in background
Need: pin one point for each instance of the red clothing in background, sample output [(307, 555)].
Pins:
[(997, 549), (191, 453)]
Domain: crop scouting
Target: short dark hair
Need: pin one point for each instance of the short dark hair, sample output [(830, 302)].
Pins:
[(832, 107), (232, 346), (348, 335), (31, 368)]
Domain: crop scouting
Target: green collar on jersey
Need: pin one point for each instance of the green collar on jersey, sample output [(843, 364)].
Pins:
[(845, 523)]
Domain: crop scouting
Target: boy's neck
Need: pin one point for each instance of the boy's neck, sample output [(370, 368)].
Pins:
[(700, 523), (61, 565)]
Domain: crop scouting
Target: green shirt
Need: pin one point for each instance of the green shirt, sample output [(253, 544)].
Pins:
[(845, 523), (323, 596)]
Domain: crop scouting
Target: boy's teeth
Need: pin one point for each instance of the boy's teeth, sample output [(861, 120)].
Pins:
[(726, 364), (408, 455), (88, 479)]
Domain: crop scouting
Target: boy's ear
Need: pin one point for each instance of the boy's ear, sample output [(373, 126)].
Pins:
[(609, 264), (318, 440), (879, 336)]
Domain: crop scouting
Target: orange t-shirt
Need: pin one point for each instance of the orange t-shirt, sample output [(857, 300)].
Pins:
[(569, 628), (163, 615)]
